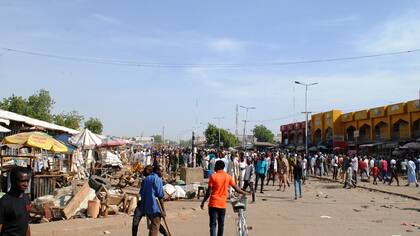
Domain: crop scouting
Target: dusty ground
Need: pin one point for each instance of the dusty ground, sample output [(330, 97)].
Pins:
[(325, 209)]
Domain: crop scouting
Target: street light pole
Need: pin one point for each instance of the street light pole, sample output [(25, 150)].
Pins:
[(306, 112), (244, 139)]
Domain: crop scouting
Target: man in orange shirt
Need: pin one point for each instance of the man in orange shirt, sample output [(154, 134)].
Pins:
[(219, 183)]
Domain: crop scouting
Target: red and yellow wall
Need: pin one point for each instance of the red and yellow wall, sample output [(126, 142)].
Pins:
[(396, 122)]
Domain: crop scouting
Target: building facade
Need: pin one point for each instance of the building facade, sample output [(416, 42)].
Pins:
[(394, 123), (293, 134)]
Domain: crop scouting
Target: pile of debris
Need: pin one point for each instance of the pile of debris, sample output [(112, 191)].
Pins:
[(105, 195), (96, 197)]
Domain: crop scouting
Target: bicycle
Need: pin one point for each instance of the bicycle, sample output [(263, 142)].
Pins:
[(239, 206)]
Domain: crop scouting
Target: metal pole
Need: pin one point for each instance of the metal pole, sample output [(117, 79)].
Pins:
[(246, 118), (306, 112), (243, 137), (219, 118), (219, 134), (306, 120)]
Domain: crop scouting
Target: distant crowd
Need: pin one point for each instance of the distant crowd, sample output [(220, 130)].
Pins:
[(253, 168)]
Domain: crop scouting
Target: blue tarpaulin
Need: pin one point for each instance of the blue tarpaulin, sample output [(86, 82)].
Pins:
[(64, 138)]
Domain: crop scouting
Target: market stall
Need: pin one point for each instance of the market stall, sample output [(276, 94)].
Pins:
[(37, 152)]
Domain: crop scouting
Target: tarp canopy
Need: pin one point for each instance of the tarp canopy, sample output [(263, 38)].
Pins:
[(369, 145), (111, 159), (4, 121), (112, 142), (86, 140), (263, 144), (313, 149), (4, 129), (37, 140), (411, 145), (64, 138), (300, 148), (8, 116)]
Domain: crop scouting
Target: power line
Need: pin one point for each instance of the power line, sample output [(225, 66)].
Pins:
[(5, 51), (199, 65)]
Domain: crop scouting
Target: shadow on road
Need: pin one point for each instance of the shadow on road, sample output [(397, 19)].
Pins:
[(411, 209)]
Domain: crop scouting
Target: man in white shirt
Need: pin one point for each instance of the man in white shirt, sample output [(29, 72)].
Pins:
[(355, 164), (393, 168), (334, 163)]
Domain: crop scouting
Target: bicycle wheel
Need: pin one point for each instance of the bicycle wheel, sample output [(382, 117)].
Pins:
[(242, 228)]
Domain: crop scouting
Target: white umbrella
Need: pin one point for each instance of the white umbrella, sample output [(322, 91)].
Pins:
[(86, 140)]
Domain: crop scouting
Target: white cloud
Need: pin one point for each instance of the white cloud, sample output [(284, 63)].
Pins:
[(226, 45), (400, 33), (106, 19)]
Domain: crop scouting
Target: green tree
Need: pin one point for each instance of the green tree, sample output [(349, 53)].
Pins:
[(37, 106), (263, 134), (70, 120), (16, 104), (40, 105), (94, 125), (157, 139), (212, 137)]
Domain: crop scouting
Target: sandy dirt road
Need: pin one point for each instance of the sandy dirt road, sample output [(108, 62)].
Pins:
[(325, 209)]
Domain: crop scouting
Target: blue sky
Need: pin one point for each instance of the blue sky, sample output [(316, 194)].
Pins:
[(139, 101)]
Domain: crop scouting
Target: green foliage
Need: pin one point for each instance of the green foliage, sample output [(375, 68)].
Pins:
[(40, 105), (263, 134), (94, 125), (70, 120), (37, 106), (157, 139), (16, 104), (212, 136)]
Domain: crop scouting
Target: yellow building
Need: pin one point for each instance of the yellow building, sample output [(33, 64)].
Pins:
[(327, 128), (393, 123)]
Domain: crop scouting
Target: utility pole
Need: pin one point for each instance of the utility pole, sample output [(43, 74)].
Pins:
[(192, 148), (306, 113), (244, 139)]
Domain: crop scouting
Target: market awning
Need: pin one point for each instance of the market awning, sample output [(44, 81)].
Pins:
[(64, 138), (263, 144), (86, 140), (322, 147), (313, 149), (369, 145), (300, 148), (411, 145), (4, 129), (112, 142), (5, 121), (390, 145)]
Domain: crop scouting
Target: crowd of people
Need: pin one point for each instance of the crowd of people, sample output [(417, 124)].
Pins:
[(252, 169)]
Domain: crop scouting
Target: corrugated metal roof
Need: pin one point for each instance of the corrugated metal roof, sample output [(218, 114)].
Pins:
[(34, 122)]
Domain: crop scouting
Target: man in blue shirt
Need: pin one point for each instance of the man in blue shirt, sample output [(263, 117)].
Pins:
[(152, 188), (138, 213), (261, 171)]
